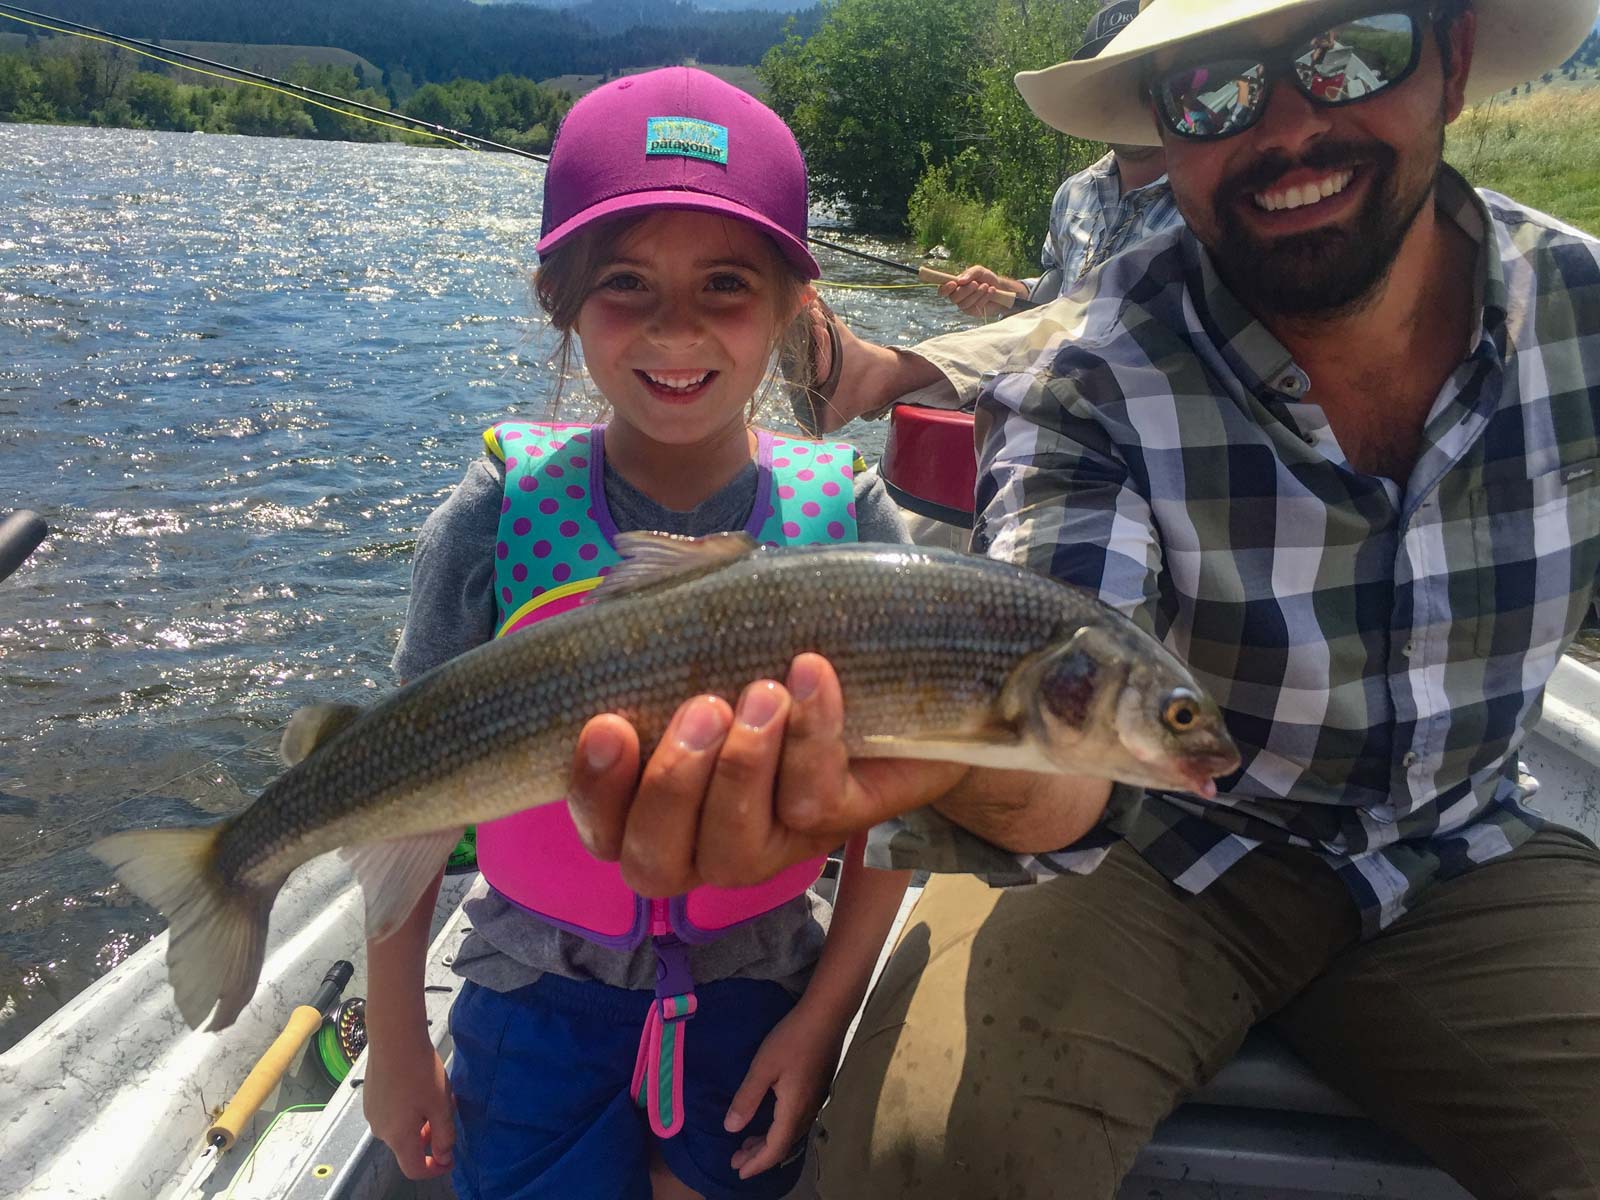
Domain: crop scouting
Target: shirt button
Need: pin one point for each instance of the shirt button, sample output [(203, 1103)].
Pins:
[(1409, 759), (1309, 439), (1408, 649)]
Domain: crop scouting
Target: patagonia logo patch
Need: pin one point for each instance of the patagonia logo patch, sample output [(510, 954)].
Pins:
[(687, 137)]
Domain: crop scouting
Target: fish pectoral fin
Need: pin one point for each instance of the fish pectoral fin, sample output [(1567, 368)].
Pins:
[(393, 875), (652, 559), (993, 746), (216, 934), (311, 726)]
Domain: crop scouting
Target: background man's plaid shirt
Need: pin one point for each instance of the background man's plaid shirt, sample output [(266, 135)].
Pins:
[(1379, 650), (1092, 219)]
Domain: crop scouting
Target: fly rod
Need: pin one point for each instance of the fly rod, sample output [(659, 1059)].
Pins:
[(209, 66), (1001, 297), (139, 46)]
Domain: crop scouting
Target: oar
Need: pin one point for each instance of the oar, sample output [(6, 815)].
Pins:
[(20, 535), (1001, 297), (270, 1068)]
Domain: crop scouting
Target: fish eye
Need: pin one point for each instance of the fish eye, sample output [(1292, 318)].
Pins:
[(1182, 711)]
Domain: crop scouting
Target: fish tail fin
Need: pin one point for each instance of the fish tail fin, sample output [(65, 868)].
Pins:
[(216, 932)]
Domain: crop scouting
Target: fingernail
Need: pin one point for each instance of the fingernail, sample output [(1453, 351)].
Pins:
[(760, 704), (733, 1122), (702, 727), (601, 749), (804, 678)]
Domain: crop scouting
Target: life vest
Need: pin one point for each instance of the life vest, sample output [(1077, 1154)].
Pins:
[(553, 547)]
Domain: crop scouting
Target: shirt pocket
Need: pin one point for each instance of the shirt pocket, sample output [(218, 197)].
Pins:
[(1537, 548)]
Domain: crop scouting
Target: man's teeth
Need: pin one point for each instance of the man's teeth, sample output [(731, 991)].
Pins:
[(1310, 193), (677, 381)]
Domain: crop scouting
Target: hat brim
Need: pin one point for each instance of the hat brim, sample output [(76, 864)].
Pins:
[(792, 248), (1101, 98)]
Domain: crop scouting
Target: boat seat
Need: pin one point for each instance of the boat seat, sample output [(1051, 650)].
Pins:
[(1265, 1121), (1267, 1074)]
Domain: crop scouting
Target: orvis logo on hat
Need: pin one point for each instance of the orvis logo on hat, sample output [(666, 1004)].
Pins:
[(687, 137), (1113, 17)]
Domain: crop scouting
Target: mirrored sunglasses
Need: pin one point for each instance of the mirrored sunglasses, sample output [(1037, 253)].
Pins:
[(1350, 62)]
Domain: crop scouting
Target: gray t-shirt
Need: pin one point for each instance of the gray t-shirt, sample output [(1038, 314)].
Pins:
[(452, 609)]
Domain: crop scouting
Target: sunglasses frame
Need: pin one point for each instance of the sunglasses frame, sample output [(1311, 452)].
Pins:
[(1280, 63)]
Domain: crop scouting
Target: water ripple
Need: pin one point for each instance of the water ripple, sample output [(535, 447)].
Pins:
[(236, 374)]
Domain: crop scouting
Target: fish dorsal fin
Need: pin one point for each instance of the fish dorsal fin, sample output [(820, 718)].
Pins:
[(311, 726), (655, 559)]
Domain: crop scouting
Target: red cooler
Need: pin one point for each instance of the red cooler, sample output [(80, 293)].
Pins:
[(930, 465)]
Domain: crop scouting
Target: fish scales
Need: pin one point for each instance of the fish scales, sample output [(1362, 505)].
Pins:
[(940, 655), (914, 641)]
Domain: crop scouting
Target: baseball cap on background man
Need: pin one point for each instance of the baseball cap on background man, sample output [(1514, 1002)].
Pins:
[(676, 138), (1101, 98), (1104, 26)]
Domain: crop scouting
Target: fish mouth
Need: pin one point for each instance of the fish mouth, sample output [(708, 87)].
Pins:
[(1201, 771)]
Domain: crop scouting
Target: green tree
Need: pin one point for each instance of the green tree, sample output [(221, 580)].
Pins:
[(157, 102), (1011, 159), (880, 93), (20, 98), (340, 81), (262, 113)]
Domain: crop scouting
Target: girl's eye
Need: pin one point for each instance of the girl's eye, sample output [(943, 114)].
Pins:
[(727, 283), (622, 282)]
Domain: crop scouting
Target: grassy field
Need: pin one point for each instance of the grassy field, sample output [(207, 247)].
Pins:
[(1541, 150)]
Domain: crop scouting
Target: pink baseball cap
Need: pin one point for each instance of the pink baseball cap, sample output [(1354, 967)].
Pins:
[(676, 138)]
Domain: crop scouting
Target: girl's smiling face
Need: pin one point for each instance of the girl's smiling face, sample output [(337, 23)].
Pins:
[(681, 323)]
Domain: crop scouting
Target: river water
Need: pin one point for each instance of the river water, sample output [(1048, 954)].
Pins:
[(236, 374)]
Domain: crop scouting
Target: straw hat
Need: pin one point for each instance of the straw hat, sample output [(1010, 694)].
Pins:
[(1100, 98)]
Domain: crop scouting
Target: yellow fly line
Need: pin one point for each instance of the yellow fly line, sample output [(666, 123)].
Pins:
[(267, 87), (874, 287)]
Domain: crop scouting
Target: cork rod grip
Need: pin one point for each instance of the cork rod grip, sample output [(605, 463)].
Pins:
[(264, 1076)]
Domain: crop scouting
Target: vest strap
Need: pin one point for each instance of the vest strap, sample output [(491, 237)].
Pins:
[(659, 1065)]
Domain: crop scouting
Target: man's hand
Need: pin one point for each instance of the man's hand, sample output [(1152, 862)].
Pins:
[(732, 797), (974, 291)]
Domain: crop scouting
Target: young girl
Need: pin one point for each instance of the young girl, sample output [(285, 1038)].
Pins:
[(606, 1045)]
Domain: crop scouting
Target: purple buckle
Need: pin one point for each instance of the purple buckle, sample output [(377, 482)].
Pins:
[(673, 977)]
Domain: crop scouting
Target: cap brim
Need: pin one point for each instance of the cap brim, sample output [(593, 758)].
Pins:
[(1101, 98), (794, 251)]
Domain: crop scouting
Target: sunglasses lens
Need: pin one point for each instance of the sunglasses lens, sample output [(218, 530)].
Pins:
[(1212, 100), (1353, 60)]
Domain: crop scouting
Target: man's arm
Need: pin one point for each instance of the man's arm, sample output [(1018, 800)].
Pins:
[(943, 372)]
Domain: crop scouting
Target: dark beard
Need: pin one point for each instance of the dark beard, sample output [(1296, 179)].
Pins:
[(1325, 272)]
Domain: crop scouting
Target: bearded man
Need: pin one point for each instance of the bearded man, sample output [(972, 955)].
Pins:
[(1337, 441)]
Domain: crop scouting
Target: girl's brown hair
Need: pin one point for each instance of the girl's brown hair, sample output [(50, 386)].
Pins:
[(566, 277)]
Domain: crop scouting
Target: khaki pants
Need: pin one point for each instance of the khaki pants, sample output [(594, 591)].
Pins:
[(1025, 1042)]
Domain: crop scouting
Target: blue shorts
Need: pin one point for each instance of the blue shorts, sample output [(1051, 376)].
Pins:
[(541, 1078)]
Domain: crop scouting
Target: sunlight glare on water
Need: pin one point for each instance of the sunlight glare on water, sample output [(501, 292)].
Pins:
[(236, 374)]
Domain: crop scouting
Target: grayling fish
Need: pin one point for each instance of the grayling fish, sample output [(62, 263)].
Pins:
[(940, 655)]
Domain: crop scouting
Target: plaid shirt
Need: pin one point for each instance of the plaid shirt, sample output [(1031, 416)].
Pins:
[(1091, 219), (1379, 649)]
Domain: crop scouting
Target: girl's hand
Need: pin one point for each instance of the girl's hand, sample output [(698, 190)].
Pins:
[(408, 1104), (795, 1063)]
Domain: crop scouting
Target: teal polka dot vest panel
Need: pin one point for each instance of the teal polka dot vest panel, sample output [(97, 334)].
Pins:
[(556, 540)]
